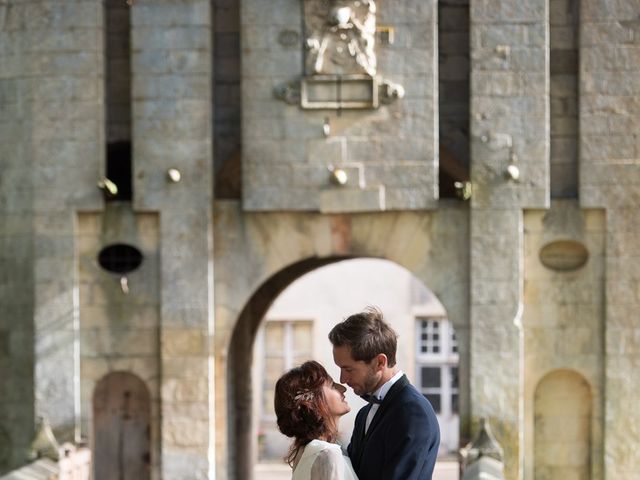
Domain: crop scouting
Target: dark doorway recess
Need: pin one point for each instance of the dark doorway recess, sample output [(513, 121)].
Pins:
[(117, 43), (119, 169)]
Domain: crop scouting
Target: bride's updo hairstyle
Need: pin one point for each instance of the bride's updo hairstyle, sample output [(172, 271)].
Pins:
[(301, 408)]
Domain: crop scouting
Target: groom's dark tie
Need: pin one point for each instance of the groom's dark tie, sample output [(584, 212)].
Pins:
[(371, 398)]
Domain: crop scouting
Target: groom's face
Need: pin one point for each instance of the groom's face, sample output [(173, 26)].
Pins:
[(363, 377)]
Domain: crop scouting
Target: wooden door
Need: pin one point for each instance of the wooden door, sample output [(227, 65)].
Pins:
[(121, 413)]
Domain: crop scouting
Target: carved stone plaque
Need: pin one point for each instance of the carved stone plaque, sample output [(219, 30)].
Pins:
[(331, 91), (564, 255)]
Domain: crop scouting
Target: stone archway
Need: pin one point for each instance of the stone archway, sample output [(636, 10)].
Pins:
[(121, 428), (241, 432), (296, 329), (259, 254)]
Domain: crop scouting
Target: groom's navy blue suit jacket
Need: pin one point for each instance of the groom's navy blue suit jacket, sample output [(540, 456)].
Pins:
[(402, 440)]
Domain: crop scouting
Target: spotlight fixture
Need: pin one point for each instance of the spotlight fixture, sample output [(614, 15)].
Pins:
[(338, 175), (463, 190), (326, 127), (110, 188), (512, 172), (174, 175)]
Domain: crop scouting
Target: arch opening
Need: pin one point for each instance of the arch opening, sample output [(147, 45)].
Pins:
[(121, 428), (562, 426), (287, 320)]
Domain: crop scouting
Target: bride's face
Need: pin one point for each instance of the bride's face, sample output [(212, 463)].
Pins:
[(334, 396)]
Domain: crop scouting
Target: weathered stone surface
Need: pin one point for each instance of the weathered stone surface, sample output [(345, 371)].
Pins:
[(266, 64), (482, 259), (345, 199), (183, 343)]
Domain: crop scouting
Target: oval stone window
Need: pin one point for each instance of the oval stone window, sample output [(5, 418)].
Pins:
[(120, 258), (564, 255)]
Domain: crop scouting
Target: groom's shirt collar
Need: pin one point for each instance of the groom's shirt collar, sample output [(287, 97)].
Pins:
[(384, 389)]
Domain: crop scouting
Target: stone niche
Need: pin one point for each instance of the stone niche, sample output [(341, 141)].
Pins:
[(339, 115)]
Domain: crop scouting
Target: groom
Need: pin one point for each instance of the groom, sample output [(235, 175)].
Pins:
[(396, 436)]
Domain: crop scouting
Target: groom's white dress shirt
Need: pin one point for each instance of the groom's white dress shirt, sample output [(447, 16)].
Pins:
[(380, 394)]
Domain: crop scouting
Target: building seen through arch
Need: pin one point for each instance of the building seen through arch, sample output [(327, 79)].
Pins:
[(296, 326)]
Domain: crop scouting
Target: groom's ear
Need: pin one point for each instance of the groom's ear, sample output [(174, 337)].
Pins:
[(381, 361)]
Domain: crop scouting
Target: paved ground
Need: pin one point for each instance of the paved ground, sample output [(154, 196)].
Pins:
[(445, 470)]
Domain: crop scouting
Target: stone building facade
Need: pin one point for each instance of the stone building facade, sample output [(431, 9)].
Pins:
[(239, 168)]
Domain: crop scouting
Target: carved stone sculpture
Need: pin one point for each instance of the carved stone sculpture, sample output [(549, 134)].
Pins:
[(340, 37), (340, 59), (390, 92)]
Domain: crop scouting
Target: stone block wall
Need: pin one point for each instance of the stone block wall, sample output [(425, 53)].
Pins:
[(16, 251), (67, 130), (119, 327), (495, 330), (509, 106), (53, 86), (622, 346), (286, 153), (609, 167), (509, 126), (563, 328), (172, 125), (520, 321), (51, 77), (609, 104)]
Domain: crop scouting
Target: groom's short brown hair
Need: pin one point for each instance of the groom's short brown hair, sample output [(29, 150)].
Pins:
[(367, 334)]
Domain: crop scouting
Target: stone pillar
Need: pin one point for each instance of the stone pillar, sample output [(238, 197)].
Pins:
[(563, 325), (496, 350), (510, 133), (16, 249), (53, 76), (68, 150), (609, 158), (171, 65)]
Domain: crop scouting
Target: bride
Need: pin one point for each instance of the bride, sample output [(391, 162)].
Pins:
[(308, 405)]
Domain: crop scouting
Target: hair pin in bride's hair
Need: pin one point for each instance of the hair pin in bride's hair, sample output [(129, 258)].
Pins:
[(305, 396)]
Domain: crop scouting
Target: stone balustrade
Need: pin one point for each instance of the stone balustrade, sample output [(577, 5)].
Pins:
[(483, 458), (73, 463)]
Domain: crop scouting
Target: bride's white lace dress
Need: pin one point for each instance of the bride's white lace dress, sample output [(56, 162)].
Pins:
[(322, 460)]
